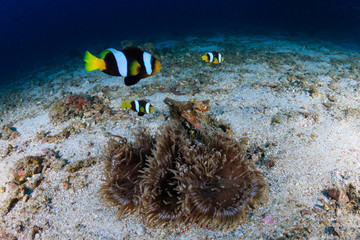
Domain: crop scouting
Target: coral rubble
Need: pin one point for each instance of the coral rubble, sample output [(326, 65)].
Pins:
[(28, 174), (7, 132), (78, 106), (192, 113), (181, 176)]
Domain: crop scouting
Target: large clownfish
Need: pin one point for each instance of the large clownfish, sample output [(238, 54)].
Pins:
[(131, 63), (140, 106), (212, 57)]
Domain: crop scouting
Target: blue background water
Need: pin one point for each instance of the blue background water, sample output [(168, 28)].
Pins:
[(33, 32)]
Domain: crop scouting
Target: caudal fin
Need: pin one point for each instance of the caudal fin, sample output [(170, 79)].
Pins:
[(126, 105), (92, 63), (205, 58)]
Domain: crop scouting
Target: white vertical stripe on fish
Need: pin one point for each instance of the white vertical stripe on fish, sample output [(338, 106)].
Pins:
[(137, 107), (211, 57), (147, 62), (121, 61), (219, 57), (147, 108)]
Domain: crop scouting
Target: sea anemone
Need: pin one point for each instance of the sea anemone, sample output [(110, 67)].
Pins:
[(220, 186), (123, 163), (182, 176), (160, 196)]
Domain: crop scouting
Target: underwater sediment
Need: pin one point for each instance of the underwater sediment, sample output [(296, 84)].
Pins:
[(182, 175)]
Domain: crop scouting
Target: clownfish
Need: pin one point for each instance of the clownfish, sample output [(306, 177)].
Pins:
[(140, 106), (212, 57), (131, 63)]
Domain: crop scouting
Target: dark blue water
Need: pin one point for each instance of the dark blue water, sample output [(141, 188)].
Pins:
[(35, 32)]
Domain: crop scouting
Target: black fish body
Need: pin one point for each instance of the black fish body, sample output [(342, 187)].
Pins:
[(131, 63)]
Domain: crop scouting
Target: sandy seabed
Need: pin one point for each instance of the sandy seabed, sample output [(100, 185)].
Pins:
[(294, 102)]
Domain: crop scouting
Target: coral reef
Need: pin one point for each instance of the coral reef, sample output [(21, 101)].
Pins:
[(182, 176)]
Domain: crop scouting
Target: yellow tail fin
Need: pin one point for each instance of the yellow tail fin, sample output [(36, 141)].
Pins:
[(92, 63), (205, 58), (126, 105)]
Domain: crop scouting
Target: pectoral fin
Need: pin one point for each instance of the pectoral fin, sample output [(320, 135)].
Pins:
[(135, 68)]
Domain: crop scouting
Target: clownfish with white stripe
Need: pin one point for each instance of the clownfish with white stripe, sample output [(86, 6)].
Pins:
[(140, 106), (213, 57), (131, 63)]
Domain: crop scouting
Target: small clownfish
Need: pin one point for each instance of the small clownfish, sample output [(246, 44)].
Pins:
[(212, 57), (141, 106), (131, 63)]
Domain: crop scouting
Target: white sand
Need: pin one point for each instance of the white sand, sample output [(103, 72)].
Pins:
[(314, 147)]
